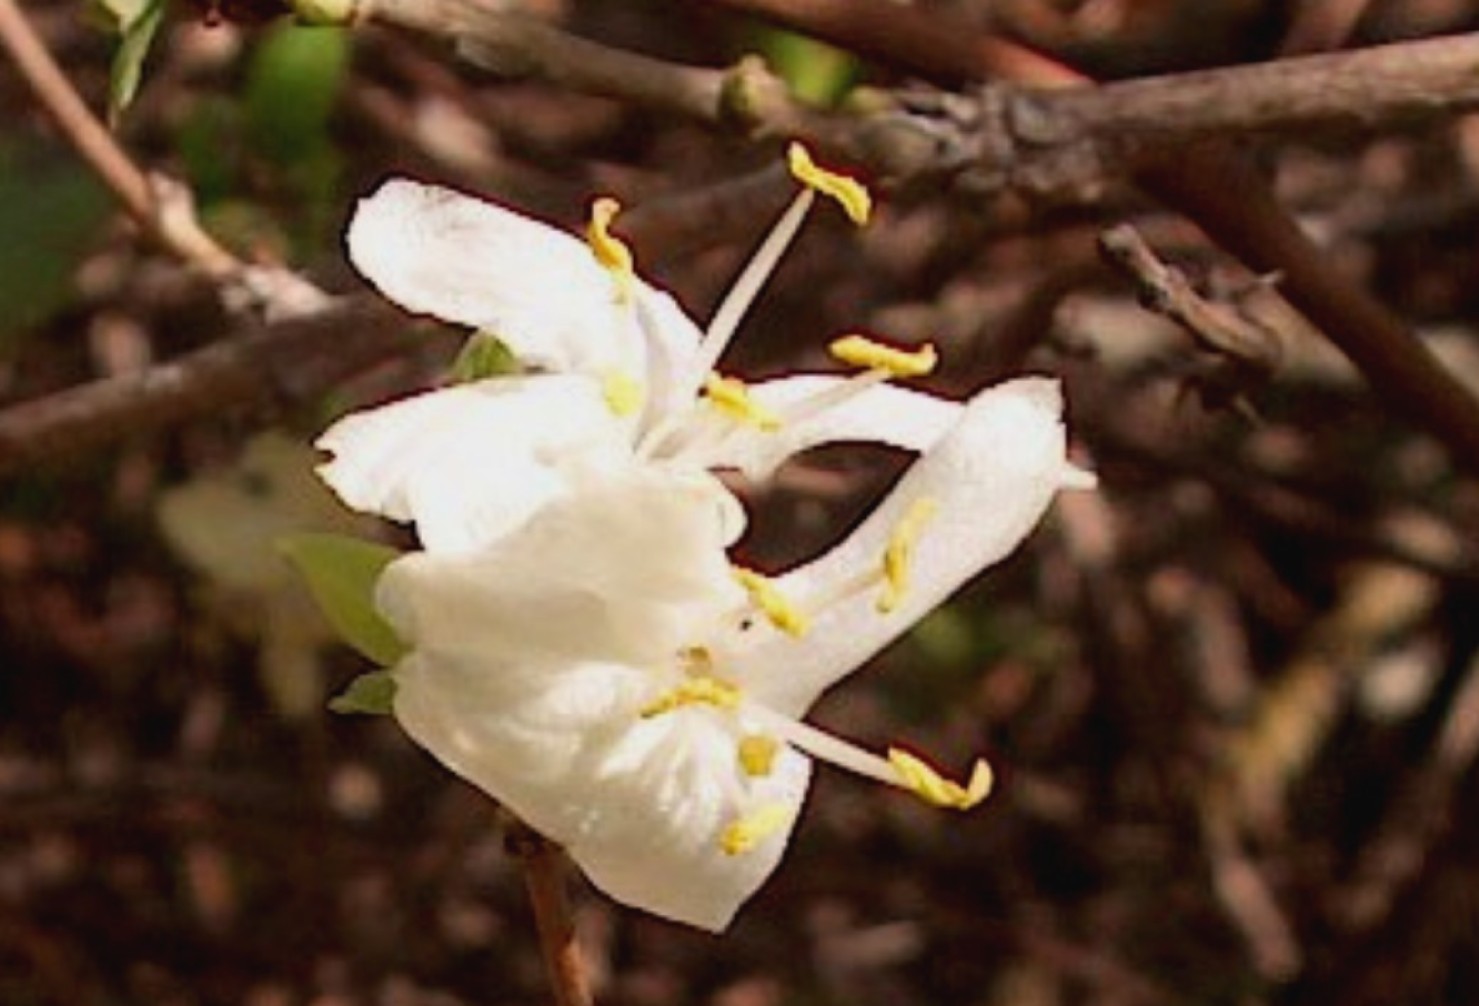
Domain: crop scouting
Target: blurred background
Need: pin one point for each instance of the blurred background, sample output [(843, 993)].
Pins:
[(1232, 698)]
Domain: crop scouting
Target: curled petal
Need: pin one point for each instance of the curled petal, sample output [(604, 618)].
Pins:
[(991, 478), (468, 463), (439, 252), (620, 569), (817, 409)]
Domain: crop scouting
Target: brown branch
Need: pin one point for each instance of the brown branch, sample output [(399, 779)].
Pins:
[(1217, 327), (1241, 214), (544, 876), (286, 363), (1218, 189), (1380, 87), (518, 45)]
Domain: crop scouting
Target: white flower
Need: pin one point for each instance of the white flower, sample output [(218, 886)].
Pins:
[(622, 372), (607, 675)]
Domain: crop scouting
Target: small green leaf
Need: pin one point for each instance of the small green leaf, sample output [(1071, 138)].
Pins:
[(51, 211), (371, 694), (294, 80), (138, 23), (482, 356), (816, 72), (341, 574)]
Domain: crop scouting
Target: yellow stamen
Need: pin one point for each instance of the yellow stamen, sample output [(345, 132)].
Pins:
[(933, 788), (752, 829), (783, 614), (757, 754), (900, 550), (861, 351), (731, 397), (695, 691), (848, 192), (624, 394), (610, 251)]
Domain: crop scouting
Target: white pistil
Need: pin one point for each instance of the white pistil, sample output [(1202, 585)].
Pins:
[(823, 746), (833, 396), (742, 294)]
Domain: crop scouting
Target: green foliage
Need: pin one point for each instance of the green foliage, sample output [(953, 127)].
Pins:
[(371, 694), (482, 356), (136, 22), (816, 72), (341, 574), (293, 82), (50, 211)]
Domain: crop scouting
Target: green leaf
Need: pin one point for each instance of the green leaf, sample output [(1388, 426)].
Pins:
[(51, 211), (138, 22), (341, 574), (816, 72), (293, 83), (371, 694), (484, 355)]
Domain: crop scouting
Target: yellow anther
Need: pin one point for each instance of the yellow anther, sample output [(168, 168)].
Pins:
[(778, 608), (754, 828), (624, 394), (610, 251), (757, 754), (695, 691), (900, 550), (733, 398), (861, 351), (933, 788), (848, 192)]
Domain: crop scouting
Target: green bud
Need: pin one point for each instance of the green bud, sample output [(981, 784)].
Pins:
[(324, 12)]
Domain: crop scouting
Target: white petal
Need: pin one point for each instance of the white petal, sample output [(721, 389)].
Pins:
[(468, 463), (883, 413), (991, 477), (641, 804), (622, 568), (439, 252), (665, 808)]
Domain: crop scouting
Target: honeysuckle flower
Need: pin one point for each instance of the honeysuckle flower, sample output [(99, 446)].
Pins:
[(607, 675), (618, 371)]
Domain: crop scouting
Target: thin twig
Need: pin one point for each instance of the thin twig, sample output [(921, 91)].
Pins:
[(97, 146), (544, 876), (285, 363), (163, 210)]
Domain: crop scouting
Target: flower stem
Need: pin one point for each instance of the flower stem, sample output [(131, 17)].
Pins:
[(544, 877)]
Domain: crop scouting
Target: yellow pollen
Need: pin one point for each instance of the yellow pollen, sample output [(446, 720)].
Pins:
[(861, 351), (764, 594), (749, 831), (900, 551), (848, 192), (610, 251), (701, 690), (733, 398), (934, 789), (623, 393), (757, 754)]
